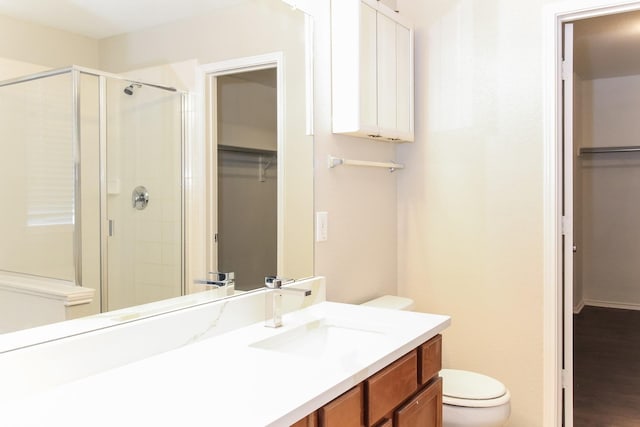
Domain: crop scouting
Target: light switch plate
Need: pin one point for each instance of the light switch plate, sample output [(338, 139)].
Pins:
[(322, 226)]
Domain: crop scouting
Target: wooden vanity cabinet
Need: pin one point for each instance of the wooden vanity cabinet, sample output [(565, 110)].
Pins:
[(429, 359), (424, 409), (344, 411), (407, 393), (390, 387), (310, 420)]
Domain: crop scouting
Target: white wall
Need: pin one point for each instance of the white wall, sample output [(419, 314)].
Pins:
[(37, 44), (470, 199), (611, 193)]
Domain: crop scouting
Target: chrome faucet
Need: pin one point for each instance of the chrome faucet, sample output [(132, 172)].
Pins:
[(221, 280), (273, 306)]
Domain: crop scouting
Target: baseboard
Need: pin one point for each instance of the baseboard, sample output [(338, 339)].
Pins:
[(578, 308), (610, 304)]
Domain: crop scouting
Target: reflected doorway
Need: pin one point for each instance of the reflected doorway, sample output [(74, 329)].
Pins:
[(244, 183), (247, 176)]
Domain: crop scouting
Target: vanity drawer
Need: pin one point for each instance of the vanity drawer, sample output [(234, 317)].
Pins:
[(390, 387), (430, 359), (345, 411)]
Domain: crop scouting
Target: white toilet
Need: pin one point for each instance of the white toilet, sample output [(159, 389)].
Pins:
[(469, 399)]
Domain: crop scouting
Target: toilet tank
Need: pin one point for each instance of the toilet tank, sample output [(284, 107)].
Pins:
[(391, 301)]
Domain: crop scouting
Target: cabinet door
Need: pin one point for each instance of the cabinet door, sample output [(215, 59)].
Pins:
[(404, 83), (310, 420), (424, 410), (368, 70), (387, 78), (344, 411), (391, 386), (430, 359)]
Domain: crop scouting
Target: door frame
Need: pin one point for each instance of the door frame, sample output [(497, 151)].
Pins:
[(554, 17), (209, 73)]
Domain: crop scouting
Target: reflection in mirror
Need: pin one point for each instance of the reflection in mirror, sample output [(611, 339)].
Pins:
[(68, 210), (78, 145), (143, 261), (247, 202)]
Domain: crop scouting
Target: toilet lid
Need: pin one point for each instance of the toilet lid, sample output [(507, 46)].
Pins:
[(470, 385)]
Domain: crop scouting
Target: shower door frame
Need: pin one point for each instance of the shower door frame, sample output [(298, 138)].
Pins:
[(74, 72), (104, 220)]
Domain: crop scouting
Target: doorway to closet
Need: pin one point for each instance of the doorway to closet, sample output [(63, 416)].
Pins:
[(606, 219)]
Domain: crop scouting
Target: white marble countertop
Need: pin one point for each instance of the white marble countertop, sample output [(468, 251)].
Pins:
[(232, 379)]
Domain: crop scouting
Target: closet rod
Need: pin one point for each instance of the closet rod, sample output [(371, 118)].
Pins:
[(600, 150), (337, 161)]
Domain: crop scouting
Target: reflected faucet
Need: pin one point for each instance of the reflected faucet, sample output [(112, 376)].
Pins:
[(221, 280), (273, 301)]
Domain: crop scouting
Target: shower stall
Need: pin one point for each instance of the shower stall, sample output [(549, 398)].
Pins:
[(91, 183)]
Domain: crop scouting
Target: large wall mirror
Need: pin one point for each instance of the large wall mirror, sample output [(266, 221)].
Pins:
[(137, 160)]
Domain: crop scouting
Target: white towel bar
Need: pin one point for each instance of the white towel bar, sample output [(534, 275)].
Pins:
[(337, 161)]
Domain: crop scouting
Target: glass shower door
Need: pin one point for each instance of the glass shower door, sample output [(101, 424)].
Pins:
[(37, 177), (143, 194)]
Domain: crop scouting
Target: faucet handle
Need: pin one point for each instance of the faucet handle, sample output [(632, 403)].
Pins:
[(275, 282), (221, 276)]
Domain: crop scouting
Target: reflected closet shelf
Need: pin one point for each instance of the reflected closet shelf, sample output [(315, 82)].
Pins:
[(607, 150)]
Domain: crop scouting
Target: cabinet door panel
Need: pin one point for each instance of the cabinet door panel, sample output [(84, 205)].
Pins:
[(386, 73), (424, 410), (368, 70), (310, 420), (344, 411), (391, 386), (404, 80), (430, 354)]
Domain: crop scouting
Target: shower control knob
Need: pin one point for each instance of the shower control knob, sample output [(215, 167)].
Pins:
[(140, 197)]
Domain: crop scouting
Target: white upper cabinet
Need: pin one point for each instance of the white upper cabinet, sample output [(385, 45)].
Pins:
[(372, 71)]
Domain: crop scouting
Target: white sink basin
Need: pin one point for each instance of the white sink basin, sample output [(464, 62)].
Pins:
[(323, 338)]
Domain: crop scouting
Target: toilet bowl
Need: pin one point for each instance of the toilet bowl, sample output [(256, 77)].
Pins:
[(473, 400), (469, 399)]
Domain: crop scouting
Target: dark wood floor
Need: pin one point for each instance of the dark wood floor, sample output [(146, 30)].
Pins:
[(606, 367)]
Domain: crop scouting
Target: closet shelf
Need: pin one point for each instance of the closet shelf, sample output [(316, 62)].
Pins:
[(605, 150), (246, 150)]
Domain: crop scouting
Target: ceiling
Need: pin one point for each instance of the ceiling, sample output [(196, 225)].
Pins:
[(104, 18), (607, 46)]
